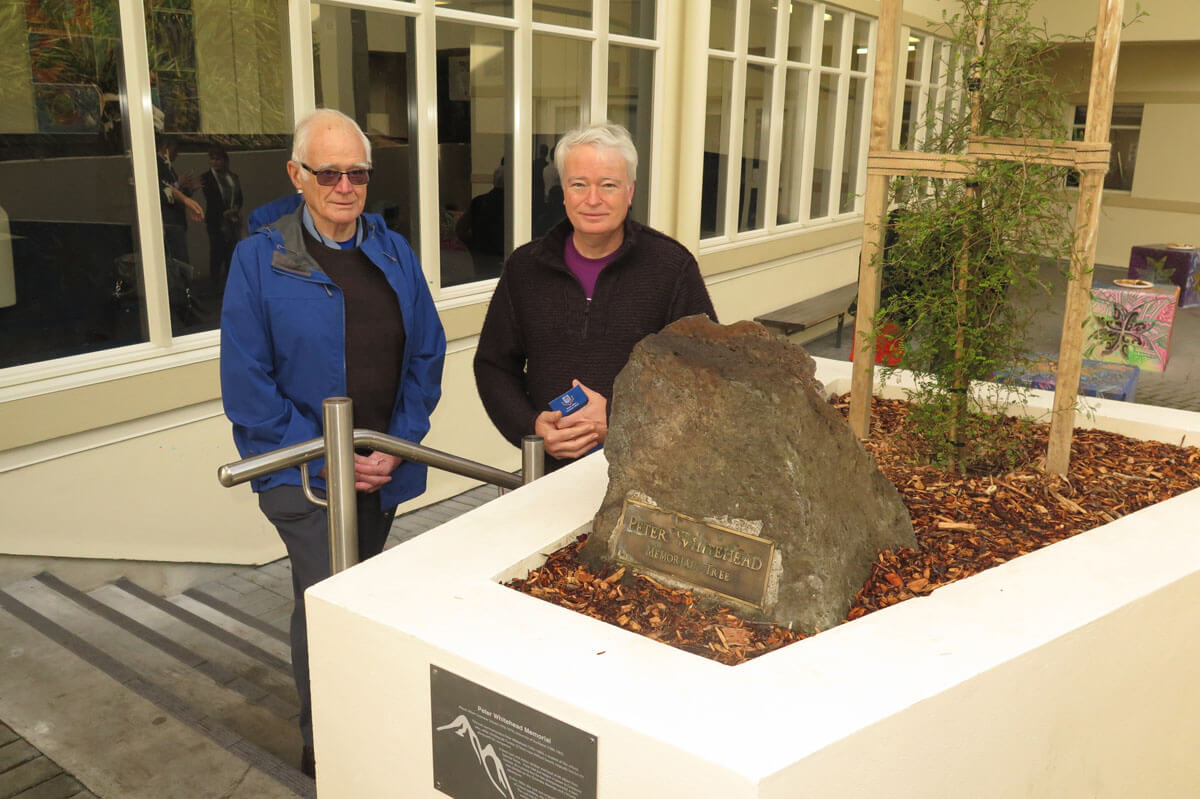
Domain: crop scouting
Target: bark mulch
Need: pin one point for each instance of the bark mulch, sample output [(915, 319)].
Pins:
[(964, 524)]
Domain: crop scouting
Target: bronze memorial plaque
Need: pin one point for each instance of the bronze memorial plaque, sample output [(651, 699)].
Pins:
[(706, 555)]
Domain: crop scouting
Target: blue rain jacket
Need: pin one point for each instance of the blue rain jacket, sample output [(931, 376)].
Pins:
[(283, 347)]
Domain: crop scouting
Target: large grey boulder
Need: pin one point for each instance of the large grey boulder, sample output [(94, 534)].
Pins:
[(731, 474)]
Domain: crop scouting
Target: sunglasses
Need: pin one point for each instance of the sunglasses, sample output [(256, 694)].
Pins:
[(331, 177)]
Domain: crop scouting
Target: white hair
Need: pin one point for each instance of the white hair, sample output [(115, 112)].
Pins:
[(602, 136), (305, 127)]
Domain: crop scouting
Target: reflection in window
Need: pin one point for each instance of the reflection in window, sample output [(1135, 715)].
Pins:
[(499, 8), (631, 18), (221, 133), (630, 103), (716, 147), (855, 112), (757, 127), (723, 14), (572, 13), (791, 167), (799, 46), (762, 28), (822, 177), (365, 68), (561, 87), (475, 145), (67, 285), (831, 39)]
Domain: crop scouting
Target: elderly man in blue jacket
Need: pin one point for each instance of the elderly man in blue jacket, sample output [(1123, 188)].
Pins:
[(326, 301)]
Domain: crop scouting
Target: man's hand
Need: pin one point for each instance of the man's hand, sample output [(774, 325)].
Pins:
[(372, 472), (578, 434), (194, 211), (188, 182)]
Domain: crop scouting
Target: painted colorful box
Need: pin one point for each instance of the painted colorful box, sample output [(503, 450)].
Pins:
[(1131, 325), (1096, 379), (1168, 263)]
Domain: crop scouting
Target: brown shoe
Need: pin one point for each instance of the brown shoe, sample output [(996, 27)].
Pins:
[(308, 762)]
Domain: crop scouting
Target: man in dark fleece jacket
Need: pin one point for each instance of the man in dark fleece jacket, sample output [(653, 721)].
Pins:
[(570, 306)]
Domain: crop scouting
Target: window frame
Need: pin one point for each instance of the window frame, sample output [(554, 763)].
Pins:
[(780, 65)]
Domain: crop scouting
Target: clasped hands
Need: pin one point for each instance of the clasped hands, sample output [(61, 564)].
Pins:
[(372, 472), (576, 435)]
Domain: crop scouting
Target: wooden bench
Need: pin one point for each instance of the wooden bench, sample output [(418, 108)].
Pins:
[(813, 311)]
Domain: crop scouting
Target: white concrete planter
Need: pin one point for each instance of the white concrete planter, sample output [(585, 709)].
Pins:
[(1066, 672)]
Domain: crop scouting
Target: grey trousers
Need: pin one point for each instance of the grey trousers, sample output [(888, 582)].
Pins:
[(304, 528)]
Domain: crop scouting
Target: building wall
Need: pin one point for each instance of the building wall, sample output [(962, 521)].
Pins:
[(1164, 77), (114, 455)]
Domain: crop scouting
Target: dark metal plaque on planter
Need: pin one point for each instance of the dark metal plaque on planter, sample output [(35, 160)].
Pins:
[(486, 745), (719, 559)]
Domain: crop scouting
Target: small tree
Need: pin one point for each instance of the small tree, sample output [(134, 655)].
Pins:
[(964, 256)]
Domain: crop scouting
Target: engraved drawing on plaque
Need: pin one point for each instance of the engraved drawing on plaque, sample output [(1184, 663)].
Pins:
[(716, 558)]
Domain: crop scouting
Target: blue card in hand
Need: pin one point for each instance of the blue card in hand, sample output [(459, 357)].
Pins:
[(569, 402)]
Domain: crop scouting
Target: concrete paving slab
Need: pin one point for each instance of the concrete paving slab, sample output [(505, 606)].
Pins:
[(273, 681), (112, 740), (277, 649), (224, 706)]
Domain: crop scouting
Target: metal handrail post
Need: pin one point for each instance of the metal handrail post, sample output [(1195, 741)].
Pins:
[(533, 462), (339, 483)]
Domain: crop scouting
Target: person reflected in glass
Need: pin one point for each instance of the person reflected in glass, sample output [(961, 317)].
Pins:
[(222, 214), (175, 199), (326, 301), (570, 306), (482, 227)]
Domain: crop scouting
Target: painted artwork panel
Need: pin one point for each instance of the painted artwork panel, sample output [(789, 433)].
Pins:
[(1132, 326)]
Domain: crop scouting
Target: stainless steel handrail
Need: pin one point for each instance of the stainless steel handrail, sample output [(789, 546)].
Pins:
[(338, 445)]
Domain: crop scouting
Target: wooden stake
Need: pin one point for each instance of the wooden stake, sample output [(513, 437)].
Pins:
[(1083, 255), (883, 95)]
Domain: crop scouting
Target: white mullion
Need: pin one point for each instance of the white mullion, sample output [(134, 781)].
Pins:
[(143, 155), (300, 50), (737, 117), (775, 132), (522, 133), (812, 104), (564, 31), (599, 88), (839, 126), (657, 105), (426, 122), (471, 17)]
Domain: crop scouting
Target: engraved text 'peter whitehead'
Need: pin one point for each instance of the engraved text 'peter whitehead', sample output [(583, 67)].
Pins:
[(728, 562)]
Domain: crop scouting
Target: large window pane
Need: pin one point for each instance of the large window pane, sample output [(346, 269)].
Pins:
[(632, 17), (561, 86), (366, 68), (631, 103), (856, 102), (575, 13), (68, 243), (757, 126), (474, 67), (716, 147), (222, 120), (822, 177), (791, 165)]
